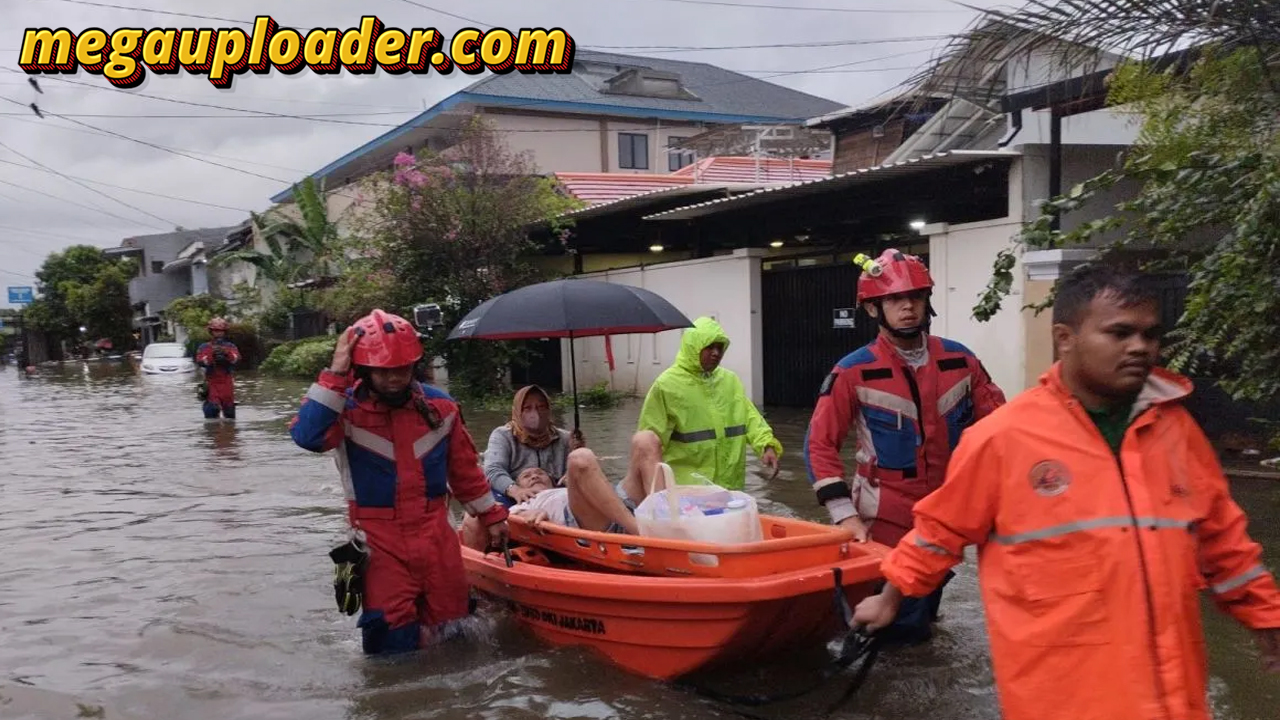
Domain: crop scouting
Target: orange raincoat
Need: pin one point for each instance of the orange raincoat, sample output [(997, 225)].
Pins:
[(1090, 567)]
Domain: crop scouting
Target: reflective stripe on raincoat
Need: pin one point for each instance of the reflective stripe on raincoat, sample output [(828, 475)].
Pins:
[(705, 420), (1091, 564)]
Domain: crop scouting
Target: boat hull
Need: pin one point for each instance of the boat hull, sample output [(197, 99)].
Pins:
[(664, 628)]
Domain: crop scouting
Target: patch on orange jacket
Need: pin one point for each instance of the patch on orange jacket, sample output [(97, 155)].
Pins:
[(1050, 478)]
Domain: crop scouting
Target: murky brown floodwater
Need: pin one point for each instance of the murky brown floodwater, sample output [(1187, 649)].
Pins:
[(156, 566)]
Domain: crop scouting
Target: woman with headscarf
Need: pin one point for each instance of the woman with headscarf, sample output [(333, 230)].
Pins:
[(528, 440)]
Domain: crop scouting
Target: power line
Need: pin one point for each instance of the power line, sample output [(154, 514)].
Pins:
[(153, 145), (86, 187), (120, 187), (473, 21), (41, 123), (802, 8), (18, 275), (56, 236), (219, 117), (68, 201)]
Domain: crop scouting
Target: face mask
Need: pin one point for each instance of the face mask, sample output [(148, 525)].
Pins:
[(531, 420)]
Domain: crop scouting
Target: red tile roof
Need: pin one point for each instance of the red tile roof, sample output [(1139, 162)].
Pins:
[(596, 188)]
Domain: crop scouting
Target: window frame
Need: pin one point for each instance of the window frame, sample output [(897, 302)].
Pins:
[(630, 140)]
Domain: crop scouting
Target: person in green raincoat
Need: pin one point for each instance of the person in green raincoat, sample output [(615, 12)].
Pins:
[(702, 414)]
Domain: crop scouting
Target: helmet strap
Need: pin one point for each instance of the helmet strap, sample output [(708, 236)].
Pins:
[(908, 332)]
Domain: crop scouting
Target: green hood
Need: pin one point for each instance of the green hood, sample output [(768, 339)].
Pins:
[(704, 332)]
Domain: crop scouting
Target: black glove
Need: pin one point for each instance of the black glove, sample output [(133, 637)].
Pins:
[(350, 562)]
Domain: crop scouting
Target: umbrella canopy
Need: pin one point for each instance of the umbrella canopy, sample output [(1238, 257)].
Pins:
[(570, 308)]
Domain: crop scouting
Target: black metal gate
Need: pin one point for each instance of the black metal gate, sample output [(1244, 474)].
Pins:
[(801, 344)]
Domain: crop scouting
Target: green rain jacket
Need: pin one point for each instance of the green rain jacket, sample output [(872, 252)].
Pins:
[(705, 420)]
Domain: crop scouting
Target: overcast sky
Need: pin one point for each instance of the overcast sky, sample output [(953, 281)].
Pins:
[(41, 212)]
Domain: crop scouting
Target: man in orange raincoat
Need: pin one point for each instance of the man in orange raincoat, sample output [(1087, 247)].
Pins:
[(1100, 512)]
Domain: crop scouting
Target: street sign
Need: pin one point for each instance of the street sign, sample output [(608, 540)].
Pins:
[(842, 318), (21, 295)]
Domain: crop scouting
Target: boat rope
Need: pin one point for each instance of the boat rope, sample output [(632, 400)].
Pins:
[(857, 645)]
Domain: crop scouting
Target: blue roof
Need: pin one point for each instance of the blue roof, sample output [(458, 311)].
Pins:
[(721, 96)]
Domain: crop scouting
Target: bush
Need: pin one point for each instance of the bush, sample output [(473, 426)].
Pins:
[(301, 358), (598, 396)]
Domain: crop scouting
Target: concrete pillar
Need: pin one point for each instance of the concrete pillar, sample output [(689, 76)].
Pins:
[(1043, 268)]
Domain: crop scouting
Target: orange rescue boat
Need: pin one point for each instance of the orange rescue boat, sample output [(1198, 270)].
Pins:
[(667, 627)]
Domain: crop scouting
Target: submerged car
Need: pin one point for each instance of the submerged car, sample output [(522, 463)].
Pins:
[(166, 359)]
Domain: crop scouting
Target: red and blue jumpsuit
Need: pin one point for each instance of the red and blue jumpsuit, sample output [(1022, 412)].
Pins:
[(219, 374), (906, 423), (399, 466)]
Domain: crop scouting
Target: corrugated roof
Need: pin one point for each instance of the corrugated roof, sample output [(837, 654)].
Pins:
[(832, 184), (767, 171), (718, 90)]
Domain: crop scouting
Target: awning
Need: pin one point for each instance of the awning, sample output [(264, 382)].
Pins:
[(844, 181)]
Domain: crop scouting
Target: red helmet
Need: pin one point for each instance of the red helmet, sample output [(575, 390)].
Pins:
[(900, 273), (385, 341), (219, 324)]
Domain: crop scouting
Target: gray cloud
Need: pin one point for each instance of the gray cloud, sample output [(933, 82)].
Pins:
[(40, 206)]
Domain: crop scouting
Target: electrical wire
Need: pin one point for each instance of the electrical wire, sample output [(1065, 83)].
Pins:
[(804, 8), (118, 187), (154, 145), (90, 189)]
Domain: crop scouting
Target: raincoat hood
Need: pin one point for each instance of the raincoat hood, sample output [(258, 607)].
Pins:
[(705, 332)]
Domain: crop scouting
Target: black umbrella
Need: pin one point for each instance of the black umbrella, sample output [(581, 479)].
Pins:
[(570, 308)]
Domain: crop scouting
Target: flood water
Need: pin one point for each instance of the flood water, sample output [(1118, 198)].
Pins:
[(158, 566)]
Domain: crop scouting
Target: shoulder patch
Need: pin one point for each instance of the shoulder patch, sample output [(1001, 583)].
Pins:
[(877, 374), (827, 384), (953, 363)]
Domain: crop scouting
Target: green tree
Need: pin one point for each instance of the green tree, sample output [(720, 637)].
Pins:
[(295, 250), (1206, 164), (453, 229), (82, 287)]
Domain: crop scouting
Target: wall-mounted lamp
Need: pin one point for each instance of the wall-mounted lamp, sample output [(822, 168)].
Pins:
[(655, 248), (775, 244), (917, 225)]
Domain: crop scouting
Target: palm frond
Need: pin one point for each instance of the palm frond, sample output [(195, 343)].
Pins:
[(1083, 35)]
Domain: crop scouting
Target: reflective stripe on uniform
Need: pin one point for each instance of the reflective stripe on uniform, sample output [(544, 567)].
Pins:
[(375, 444), (1240, 580), (326, 397), (692, 437), (935, 549), (480, 505), (428, 442), (888, 401), (1094, 524), (735, 431), (948, 400)]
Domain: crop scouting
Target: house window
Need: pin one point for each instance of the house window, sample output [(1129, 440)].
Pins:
[(157, 266), (677, 159), (633, 151)]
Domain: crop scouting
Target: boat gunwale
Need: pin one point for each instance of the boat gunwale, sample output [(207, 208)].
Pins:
[(828, 535)]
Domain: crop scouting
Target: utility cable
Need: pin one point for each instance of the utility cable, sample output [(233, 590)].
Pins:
[(118, 187), (33, 161)]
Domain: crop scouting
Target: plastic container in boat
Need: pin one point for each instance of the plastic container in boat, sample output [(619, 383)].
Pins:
[(704, 513)]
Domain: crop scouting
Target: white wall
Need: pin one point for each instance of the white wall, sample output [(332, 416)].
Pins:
[(725, 287), (960, 259)]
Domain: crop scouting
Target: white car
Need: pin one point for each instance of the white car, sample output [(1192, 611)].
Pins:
[(166, 359)]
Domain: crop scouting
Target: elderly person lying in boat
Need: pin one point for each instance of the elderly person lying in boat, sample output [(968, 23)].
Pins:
[(587, 500)]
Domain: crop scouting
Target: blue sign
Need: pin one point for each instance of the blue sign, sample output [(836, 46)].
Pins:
[(21, 296)]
